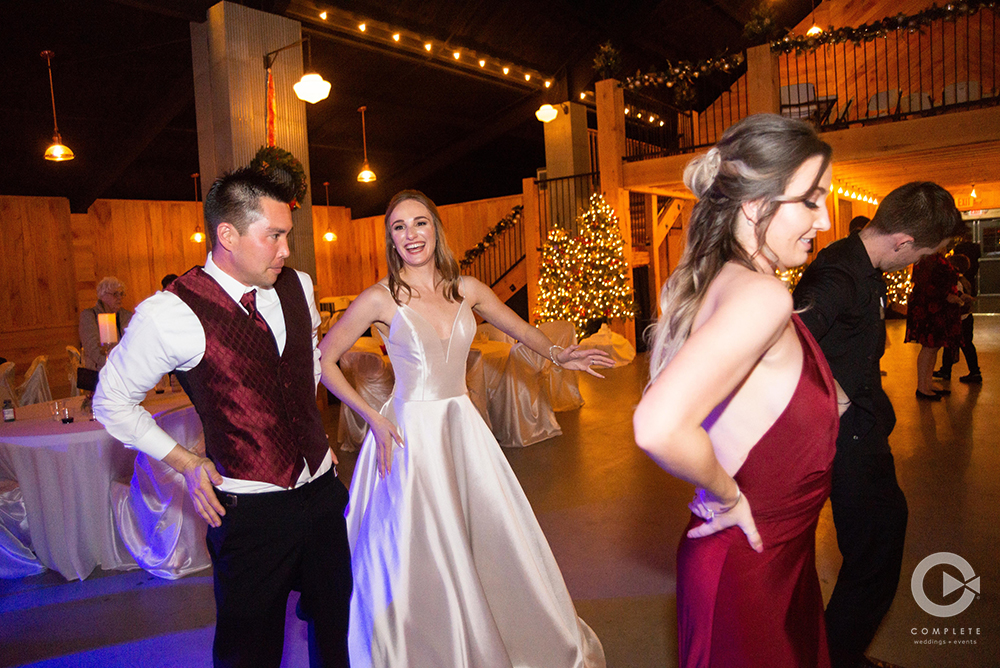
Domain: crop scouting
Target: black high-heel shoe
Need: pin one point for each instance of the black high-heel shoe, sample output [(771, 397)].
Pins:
[(928, 397)]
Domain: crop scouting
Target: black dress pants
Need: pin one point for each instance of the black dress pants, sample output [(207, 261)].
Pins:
[(869, 513), (269, 545)]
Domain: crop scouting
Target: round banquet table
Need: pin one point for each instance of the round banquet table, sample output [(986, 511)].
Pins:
[(65, 473)]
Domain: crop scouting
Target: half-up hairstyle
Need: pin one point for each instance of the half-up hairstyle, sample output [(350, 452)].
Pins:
[(444, 259), (753, 162)]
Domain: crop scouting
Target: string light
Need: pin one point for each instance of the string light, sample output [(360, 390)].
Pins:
[(346, 22)]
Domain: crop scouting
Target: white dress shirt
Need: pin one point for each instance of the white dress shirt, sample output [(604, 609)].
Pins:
[(166, 335)]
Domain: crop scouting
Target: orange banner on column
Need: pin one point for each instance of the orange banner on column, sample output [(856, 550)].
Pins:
[(272, 111)]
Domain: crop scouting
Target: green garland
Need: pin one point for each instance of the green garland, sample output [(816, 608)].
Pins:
[(271, 158), (684, 72), (505, 224), (871, 31)]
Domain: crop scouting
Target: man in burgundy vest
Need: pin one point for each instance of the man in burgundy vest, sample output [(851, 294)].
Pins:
[(241, 334)]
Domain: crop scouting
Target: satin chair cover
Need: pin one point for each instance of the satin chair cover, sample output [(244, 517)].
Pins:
[(35, 388), (520, 411), (154, 514), (612, 343), (562, 385), (369, 373), (16, 557), (75, 362), (7, 383), (487, 332)]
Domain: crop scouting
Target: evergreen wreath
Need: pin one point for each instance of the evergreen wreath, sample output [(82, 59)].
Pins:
[(272, 159)]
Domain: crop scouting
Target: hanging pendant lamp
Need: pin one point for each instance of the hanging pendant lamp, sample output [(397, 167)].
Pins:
[(329, 235), (366, 175), (58, 152)]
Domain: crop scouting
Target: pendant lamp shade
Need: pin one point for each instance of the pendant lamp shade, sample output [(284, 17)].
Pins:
[(312, 88), (57, 152)]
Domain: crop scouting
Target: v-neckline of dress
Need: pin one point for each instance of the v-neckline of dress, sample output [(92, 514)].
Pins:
[(446, 342)]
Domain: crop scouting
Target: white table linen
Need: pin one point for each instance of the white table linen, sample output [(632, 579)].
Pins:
[(65, 473), (154, 514)]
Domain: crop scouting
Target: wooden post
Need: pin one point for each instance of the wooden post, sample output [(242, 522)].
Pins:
[(611, 153), (532, 242), (762, 80), (227, 53)]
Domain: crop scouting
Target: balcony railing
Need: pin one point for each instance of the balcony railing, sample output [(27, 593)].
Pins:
[(942, 66), (498, 253), (562, 200)]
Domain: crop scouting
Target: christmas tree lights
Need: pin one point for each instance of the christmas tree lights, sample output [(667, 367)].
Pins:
[(585, 276)]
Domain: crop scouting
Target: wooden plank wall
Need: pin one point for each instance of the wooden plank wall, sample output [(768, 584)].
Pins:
[(351, 263), (140, 242), (52, 260), (38, 313)]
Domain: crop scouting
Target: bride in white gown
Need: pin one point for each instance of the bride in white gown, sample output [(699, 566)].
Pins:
[(451, 568)]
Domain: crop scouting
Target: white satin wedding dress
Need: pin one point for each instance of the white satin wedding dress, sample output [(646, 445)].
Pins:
[(451, 569)]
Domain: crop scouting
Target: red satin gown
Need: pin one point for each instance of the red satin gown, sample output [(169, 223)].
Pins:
[(738, 608)]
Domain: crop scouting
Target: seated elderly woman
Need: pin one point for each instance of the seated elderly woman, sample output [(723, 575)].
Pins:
[(110, 292)]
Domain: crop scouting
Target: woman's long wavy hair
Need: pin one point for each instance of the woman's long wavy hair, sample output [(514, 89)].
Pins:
[(753, 162), (444, 259)]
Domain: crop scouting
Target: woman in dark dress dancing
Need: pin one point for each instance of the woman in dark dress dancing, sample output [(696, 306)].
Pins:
[(741, 402)]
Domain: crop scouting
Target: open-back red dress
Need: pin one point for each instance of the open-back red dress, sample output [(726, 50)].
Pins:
[(736, 607)]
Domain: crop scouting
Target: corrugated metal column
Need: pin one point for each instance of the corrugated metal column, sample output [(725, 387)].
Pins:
[(230, 98)]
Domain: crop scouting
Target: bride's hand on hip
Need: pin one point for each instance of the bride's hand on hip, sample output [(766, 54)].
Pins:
[(718, 518), (385, 433)]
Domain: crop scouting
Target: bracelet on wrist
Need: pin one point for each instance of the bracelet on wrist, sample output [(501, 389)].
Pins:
[(552, 356), (726, 509)]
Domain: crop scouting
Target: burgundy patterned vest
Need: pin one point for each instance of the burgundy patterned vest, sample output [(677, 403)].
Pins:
[(258, 408)]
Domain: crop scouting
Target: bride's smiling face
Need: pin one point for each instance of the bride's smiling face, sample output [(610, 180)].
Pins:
[(413, 235)]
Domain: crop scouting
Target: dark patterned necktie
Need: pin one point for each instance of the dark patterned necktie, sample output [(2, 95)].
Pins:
[(249, 302)]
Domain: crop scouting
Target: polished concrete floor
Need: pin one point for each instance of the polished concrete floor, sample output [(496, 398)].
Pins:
[(613, 520)]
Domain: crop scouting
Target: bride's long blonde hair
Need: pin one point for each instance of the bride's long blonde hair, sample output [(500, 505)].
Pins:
[(753, 162)]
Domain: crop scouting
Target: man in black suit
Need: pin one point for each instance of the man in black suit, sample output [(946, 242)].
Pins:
[(844, 297)]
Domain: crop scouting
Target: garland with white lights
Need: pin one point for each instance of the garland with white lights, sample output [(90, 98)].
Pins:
[(272, 158), (684, 73), (505, 224), (871, 31)]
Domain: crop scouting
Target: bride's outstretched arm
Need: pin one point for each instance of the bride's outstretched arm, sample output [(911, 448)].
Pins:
[(498, 314), (371, 306)]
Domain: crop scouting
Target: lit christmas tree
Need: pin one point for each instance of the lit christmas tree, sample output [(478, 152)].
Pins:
[(586, 276)]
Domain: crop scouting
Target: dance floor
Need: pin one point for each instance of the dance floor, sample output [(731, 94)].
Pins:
[(613, 520)]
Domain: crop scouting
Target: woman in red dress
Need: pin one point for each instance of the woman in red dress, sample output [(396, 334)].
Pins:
[(933, 317), (741, 402)]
